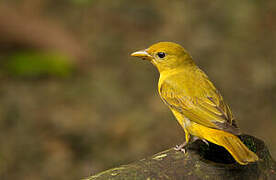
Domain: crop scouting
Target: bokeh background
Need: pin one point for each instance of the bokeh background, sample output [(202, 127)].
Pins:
[(74, 103)]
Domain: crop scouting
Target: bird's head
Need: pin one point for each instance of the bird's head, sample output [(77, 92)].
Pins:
[(165, 56)]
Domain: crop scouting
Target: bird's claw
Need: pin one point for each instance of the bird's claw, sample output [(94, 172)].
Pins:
[(206, 142), (180, 148)]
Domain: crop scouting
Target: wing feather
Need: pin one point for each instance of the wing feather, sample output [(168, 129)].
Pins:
[(205, 108)]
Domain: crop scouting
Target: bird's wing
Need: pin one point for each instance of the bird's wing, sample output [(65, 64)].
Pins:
[(206, 107)]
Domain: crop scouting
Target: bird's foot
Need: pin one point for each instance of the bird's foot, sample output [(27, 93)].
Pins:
[(205, 141), (181, 147)]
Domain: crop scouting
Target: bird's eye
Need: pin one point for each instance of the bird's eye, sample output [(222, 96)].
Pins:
[(161, 54)]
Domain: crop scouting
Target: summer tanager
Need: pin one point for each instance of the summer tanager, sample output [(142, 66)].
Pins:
[(195, 102)]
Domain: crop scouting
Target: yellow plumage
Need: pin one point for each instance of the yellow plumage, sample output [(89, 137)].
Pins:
[(196, 103)]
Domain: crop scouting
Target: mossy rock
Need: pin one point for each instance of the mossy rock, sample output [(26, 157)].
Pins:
[(199, 162)]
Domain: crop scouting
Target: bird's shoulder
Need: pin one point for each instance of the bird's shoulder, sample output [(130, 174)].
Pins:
[(190, 81)]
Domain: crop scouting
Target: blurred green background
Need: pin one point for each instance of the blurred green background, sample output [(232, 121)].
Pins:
[(74, 103)]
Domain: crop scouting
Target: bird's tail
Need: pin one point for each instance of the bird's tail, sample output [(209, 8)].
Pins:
[(234, 146), (227, 140)]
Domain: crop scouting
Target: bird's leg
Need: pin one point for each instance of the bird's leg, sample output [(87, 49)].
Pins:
[(182, 146), (205, 141)]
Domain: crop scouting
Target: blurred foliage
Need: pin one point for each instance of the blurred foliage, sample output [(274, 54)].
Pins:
[(108, 113), (82, 2), (37, 64)]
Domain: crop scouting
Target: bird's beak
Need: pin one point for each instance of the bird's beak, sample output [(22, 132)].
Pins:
[(141, 54)]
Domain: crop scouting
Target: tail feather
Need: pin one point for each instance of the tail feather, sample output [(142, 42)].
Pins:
[(238, 150), (225, 139), (235, 147)]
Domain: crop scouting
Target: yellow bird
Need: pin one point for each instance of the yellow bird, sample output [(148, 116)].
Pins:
[(195, 102)]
